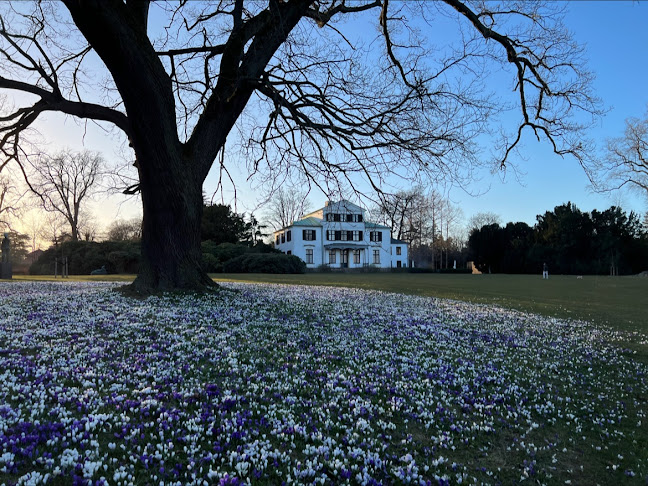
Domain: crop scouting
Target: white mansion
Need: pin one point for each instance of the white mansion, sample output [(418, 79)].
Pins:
[(338, 235)]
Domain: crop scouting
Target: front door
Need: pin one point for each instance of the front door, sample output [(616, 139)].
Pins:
[(345, 258)]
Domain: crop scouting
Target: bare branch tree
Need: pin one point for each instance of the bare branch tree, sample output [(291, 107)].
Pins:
[(63, 183), (11, 202), (286, 206), (121, 230), (53, 229), (626, 161), (478, 220), (310, 97)]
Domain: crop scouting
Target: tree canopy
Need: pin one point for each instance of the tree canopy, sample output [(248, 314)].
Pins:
[(307, 94), (569, 240)]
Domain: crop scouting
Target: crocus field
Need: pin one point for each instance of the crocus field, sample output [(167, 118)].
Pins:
[(270, 384)]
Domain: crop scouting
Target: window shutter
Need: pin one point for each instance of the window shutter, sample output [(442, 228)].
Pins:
[(380, 236)]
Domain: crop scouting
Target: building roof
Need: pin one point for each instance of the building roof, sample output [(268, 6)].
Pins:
[(394, 241), (341, 205), (375, 226), (311, 221)]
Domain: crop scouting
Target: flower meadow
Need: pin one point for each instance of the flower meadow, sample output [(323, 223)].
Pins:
[(269, 384)]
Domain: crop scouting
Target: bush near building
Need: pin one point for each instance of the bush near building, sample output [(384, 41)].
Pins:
[(238, 258)]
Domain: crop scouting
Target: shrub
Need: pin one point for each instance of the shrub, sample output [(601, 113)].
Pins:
[(222, 252), (215, 256), (86, 256), (265, 263), (211, 264)]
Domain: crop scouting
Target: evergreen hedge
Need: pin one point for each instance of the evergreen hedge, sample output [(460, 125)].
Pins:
[(86, 256)]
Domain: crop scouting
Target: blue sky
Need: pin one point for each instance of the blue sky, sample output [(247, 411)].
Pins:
[(616, 38), (615, 35)]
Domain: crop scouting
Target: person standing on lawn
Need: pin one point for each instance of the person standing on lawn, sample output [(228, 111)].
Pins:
[(545, 271)]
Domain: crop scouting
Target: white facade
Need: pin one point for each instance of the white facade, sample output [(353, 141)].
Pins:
[(338, 236)]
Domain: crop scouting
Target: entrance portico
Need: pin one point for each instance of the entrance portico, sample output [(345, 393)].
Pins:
[(345, 256)]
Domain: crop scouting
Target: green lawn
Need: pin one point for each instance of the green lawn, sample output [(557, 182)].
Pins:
[(620, 302)]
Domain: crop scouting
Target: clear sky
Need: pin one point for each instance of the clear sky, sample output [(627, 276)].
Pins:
[(615, 34)]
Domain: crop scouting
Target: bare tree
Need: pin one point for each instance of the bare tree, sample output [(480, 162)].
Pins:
[(65, 182), (11, 202), (88, 226), (334, 109), (121, 230), (286, 206), (414, 215), (419, 218), (53, 229), (626, 161), (34, 226), (450, 217), (478, 220), (396, 210)]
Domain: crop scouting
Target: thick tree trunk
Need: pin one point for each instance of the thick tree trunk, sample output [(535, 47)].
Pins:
[(172, 211)]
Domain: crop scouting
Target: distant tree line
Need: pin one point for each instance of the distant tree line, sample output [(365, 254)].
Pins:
[(568, 240)]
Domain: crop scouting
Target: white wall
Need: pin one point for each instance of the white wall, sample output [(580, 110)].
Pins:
[(321, 246)]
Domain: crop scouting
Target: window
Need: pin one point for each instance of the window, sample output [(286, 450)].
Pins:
[(359, 218), (344, 257), (288, 235), (283, 237), (398, 250), (356, 257), (308, 235), (376, 256), (350, 217), (332, 256), (289, 252), (309, 255), (338, 236), (336, 217), (398, 264), (357, 236), (344, 235), (277, 240), (375, 235), (330, 235)]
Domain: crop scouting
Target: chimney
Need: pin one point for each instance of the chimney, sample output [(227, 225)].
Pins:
[(326, 203)]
